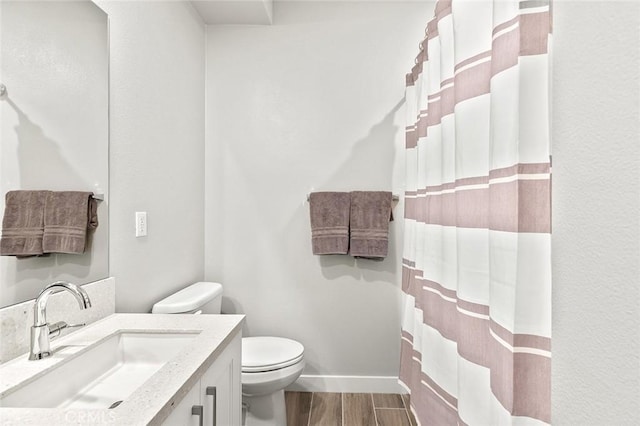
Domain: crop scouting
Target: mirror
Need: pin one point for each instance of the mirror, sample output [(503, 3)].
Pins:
[(54, 126)]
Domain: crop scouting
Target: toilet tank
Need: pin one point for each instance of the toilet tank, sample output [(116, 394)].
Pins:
[(202, 297)]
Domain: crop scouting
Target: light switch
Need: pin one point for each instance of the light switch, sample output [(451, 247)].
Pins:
[(141, 224)]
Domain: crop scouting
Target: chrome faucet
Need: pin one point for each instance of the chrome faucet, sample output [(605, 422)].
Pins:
[(41, 331)]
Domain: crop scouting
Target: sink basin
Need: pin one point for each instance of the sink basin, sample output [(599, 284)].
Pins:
[(101, 376)]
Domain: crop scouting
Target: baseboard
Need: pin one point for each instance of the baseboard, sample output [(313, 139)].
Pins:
[(348, 384)]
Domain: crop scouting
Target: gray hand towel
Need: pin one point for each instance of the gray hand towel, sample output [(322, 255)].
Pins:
[(23, 223), (329, 213), (67, 216), (370, 216)]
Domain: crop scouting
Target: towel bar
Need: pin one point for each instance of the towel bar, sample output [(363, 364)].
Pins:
[(394, 197), (98, 197)]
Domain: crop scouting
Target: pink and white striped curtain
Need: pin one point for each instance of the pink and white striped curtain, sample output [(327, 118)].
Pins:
[(476, 335)]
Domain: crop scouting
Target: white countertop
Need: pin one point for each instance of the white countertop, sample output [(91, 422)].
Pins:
[(151, 402)]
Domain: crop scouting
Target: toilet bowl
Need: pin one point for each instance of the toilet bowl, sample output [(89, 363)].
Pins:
[(269, 364)]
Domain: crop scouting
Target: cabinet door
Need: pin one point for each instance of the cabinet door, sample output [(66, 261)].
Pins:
[(182, 413), (220, 386)]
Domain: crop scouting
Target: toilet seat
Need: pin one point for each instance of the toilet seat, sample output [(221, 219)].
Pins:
[(266, 353)]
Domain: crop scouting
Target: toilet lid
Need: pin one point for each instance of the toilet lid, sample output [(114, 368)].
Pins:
[(266, 353)]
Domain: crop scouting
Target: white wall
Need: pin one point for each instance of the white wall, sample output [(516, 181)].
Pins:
[(596, 237), (313, 102), (156, 147)]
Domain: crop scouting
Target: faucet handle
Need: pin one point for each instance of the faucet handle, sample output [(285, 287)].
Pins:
[(56, 328)]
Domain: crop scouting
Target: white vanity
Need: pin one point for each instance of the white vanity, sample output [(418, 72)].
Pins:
[(150, 369)]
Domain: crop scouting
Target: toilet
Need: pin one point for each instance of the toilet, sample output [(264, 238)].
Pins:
[(269, 364)]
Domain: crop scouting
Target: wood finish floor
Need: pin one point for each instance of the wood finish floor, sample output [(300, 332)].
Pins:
[(347, 409)]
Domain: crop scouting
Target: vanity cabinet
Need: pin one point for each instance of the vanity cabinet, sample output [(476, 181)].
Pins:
[(216, 399)]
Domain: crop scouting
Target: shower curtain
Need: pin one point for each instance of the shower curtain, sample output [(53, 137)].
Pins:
[(476, 333)]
